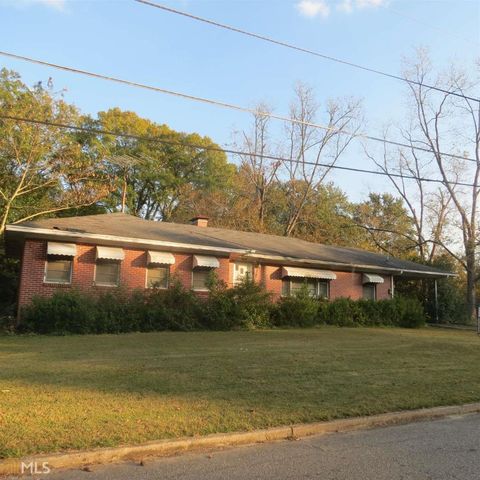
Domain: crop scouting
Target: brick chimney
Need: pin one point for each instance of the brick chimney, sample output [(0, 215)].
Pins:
[(200, 221)]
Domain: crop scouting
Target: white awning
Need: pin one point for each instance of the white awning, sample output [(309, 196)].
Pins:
[(205, 261), (371, 278), (64, 249), (110, 253), (163, 258), (308, 273)]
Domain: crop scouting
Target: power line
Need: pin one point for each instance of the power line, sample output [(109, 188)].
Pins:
[(96, 131), (221, 104), (302, 49)]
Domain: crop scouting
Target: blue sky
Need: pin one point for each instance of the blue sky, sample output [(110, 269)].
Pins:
[(126, 39)]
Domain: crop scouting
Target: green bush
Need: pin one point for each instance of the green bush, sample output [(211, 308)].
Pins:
[(246, 305), (173, 309), (408, 312), (66, 311), (117, 311), (299, 310), (342, 312), (7, 320)]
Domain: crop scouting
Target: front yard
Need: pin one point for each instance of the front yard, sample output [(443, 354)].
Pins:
[(77, 392)]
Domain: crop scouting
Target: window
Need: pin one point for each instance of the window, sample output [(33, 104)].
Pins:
[(242, 272), (200, 277), (316, 288), (107, 272), (58, 270), (157, 276), (323, 289), (369, 291)]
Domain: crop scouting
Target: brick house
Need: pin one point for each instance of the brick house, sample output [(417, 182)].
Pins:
[(104, 251)]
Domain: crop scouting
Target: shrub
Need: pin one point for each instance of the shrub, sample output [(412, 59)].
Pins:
[(173, 309), (342, 312), (246, 305), (7, 320), (409, 312), (300, 310), (118, 311), (64, 312)]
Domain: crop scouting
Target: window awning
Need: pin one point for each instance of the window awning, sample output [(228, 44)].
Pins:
[(64, 249), (308, 273), (205, 261), (162, 258), (371, 278), (110, 253)]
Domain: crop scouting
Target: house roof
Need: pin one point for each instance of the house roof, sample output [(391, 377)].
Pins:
[(119, 228)]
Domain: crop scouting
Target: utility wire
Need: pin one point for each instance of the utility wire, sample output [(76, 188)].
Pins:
[(302, 49), (230, 106), (96, 131)]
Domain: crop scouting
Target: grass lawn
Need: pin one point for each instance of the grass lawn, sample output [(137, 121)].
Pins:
[(77, 392)]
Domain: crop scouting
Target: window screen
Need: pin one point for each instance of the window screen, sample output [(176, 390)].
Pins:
[(369, 291), (323, 289), (58, 270), (242, 272), (296, 284), (107, 272), (315, 287), (200, 278), (157, 277)]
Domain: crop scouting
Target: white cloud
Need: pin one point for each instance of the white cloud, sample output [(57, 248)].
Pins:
[(59, 5), (370, 3), (312, 8), (346, 6)]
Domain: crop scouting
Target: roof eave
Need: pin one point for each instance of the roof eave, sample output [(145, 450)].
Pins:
[(407, 273), (22, 232), (53, 234)]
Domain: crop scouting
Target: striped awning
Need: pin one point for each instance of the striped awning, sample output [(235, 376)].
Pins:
[(162, 258), (308, 273), (371, 278), (110, 253), (64, 249), (205, 261)]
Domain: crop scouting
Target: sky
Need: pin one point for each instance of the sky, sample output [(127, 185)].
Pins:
[(133, 41)]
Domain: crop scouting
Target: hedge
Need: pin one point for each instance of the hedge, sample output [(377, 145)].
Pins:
[(246, 306)]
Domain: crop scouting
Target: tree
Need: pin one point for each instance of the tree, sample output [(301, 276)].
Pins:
[(308, 147), (325, 218), (387, 225), (43, 170), (443, 123), (155, 177), (258, 168)]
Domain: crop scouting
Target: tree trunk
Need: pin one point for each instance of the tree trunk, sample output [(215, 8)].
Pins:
[(471, 277)]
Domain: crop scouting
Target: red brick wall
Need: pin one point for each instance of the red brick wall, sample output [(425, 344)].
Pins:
[(347, 284), (133, 273)]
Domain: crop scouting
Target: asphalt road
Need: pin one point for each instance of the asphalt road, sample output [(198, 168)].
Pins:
[(444, 449)]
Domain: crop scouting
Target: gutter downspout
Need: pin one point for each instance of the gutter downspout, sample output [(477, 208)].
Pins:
[(436, 300)]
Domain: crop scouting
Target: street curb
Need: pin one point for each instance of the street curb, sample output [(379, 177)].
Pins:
[(169, 447)]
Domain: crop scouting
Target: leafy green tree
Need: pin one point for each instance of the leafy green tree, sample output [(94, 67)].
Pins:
[(153, 178), (386, 226), (325, 217), (43, 169)]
